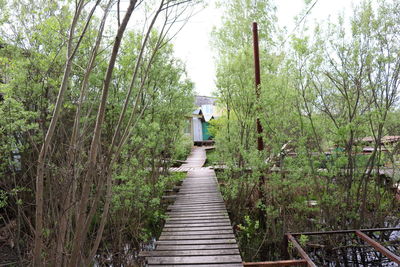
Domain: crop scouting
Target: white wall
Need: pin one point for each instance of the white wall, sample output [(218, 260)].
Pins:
[(197, 130)]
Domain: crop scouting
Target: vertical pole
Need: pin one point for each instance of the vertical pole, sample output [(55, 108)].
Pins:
[(260, 143)]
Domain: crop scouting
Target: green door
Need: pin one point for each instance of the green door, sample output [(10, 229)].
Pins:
[(206, 134)]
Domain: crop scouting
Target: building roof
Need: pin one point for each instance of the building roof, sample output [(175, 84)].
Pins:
[(208, 117), (204, 100), (206, 107), (197, 112), (371, 149), (384, 140), (390, 139)]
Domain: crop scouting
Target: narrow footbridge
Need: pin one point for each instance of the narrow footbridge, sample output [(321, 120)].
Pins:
[(198, 231)]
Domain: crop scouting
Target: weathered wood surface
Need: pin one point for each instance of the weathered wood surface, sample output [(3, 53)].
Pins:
[(198, 231)]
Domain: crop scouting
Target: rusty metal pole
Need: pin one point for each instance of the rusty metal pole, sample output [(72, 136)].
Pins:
[(379, 247), (301, 251), (260, 143)]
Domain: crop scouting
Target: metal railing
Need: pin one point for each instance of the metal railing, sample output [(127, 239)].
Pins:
[(306, 260)]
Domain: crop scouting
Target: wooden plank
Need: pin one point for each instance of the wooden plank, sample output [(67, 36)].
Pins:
[(204, 179), (195, 260), (182, 216), (196, 247), (199, 221), (197, 217), (197, 207), (177, 217), (197, 202), (201, 228), (173, 225), (196, 242), (193, 232), (212, 218), (198, 195), (201, 191), (199, 182), (194, 208), (199, 185), (198, 189), (201, 196), (196, 237), (174, 253), (198, 213), (200, 206), (184, 204), (198, 199), (186, 213), (193, 197), (211, 210), (194, 183)]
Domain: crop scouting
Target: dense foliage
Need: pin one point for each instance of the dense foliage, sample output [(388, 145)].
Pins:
[(322, 91)]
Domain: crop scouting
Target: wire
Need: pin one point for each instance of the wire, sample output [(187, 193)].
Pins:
[(298, 24)]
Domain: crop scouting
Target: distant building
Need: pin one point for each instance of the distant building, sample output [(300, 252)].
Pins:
[(384, 140), (388, 144), (198, 123)]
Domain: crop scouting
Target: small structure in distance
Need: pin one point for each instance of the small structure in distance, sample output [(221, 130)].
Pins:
[(199, 122)]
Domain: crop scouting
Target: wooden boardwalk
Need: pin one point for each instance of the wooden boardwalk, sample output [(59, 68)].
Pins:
[(198, 231)]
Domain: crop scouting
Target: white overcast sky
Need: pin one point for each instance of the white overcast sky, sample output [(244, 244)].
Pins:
[(192, 44)]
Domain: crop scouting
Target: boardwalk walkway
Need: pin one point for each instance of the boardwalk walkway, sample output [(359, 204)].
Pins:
[(198, 231)]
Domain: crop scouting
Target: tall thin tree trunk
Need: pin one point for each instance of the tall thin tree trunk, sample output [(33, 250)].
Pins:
[(80, 235), (67, 211), (37, 259)]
